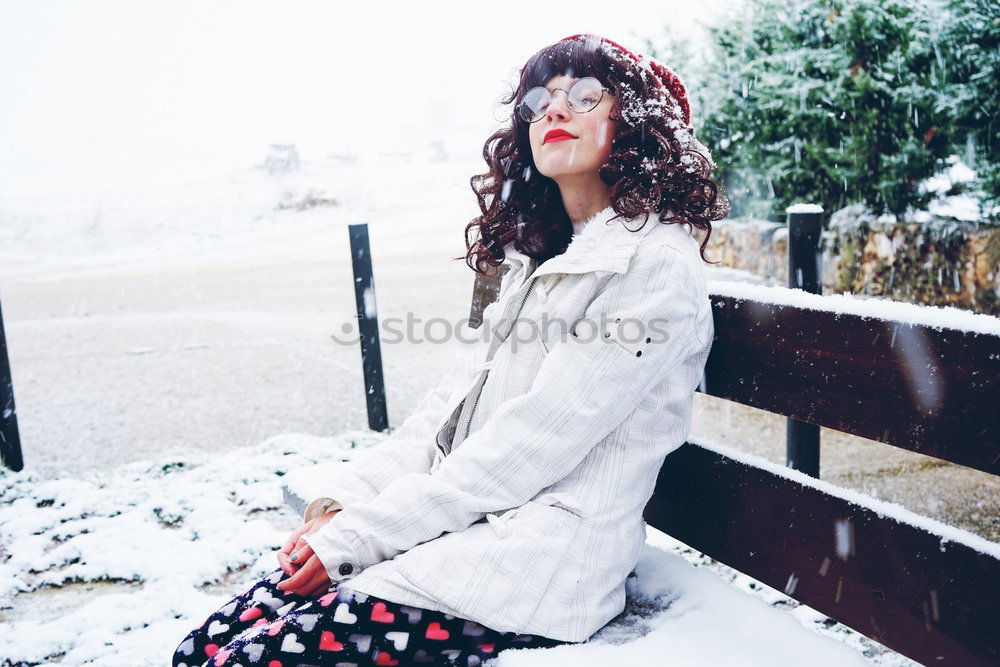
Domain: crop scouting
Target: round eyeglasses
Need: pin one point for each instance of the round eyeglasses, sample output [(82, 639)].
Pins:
[(583, 96)]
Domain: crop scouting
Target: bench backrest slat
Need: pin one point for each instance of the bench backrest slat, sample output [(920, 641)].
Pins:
[(935, 392)]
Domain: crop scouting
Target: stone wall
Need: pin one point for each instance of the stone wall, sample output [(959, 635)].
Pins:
[(938, 262)]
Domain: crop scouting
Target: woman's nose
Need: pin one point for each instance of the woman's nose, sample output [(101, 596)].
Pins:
[(558, 105)]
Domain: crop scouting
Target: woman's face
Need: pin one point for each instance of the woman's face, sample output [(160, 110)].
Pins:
[(593, 132)]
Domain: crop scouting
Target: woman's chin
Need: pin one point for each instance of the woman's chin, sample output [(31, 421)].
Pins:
[(555, 172)]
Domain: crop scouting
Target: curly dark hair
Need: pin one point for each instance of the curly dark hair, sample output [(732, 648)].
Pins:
[(656, 163)]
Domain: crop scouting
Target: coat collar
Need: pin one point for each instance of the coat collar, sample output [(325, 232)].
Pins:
[(600, 246)]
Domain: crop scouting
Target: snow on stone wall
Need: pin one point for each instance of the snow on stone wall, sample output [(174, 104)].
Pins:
[(939, 261)]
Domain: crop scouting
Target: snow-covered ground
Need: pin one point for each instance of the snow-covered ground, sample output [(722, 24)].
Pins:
[(127, 561), (172, 359)]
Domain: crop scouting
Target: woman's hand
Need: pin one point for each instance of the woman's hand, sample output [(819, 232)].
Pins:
[(296, 558)]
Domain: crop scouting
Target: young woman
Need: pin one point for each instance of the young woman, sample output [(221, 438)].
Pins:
[(506, 511)]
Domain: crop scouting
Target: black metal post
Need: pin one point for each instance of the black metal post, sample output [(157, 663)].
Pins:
[(805, 233), (10, 441), (371, 351)]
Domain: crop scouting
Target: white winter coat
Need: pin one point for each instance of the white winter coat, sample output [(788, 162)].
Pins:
[(533, 520)]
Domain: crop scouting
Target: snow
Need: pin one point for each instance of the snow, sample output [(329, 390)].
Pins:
[(637, 108), (804, 208), (963, 206), (956, 172), (174, 539), (937, 317)]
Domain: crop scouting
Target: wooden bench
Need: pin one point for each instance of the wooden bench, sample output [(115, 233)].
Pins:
[(925, 590)]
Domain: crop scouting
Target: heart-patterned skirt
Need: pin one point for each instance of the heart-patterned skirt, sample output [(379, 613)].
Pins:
[(342, 628)]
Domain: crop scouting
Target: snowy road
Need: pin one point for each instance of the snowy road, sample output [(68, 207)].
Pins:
[(225, 344)]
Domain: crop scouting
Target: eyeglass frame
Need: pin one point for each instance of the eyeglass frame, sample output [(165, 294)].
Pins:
[(603, 88)]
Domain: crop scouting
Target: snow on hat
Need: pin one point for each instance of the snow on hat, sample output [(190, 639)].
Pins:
[(667, 80), (663, 75)]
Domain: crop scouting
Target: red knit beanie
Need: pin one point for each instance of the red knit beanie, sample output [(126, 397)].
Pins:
[(666, 78)]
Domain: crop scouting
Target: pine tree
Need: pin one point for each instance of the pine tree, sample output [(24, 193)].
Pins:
[(821, 101), (967, 56)]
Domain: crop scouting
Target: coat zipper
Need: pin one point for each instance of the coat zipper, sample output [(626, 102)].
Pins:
[(468, 425)]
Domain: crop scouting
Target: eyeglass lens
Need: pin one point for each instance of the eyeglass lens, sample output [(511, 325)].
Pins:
[(583, 95)]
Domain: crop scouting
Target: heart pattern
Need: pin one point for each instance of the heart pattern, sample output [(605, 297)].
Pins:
[(380, 615), (422, 656), (473, 629), (249, 633), (344, 615), (363, 642), (272, 602), (290, 644), (309, 631), (255, 651), (217, 627), (251, 614), (351, 595), (187, 646), (327, 642), (307, 621), (398, 639), (413, 614)]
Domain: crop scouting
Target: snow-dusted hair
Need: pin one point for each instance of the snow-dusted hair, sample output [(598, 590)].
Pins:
[(656, 163)]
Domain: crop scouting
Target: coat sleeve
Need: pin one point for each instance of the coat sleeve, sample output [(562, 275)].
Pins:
[(411, 447), (643, 324)]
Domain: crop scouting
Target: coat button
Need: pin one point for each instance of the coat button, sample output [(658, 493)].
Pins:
[(346, 568)]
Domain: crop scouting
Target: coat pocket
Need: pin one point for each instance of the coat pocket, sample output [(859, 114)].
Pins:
[(497, 577)]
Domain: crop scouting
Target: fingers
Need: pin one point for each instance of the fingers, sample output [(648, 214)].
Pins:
[(301, 553), (309, 578), (286, 567), (294, 537), (286, 549)]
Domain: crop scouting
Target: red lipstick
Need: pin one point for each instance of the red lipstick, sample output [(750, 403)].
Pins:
[(557, 135)]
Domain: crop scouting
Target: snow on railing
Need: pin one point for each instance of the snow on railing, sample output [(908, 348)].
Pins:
[(936, 317)]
